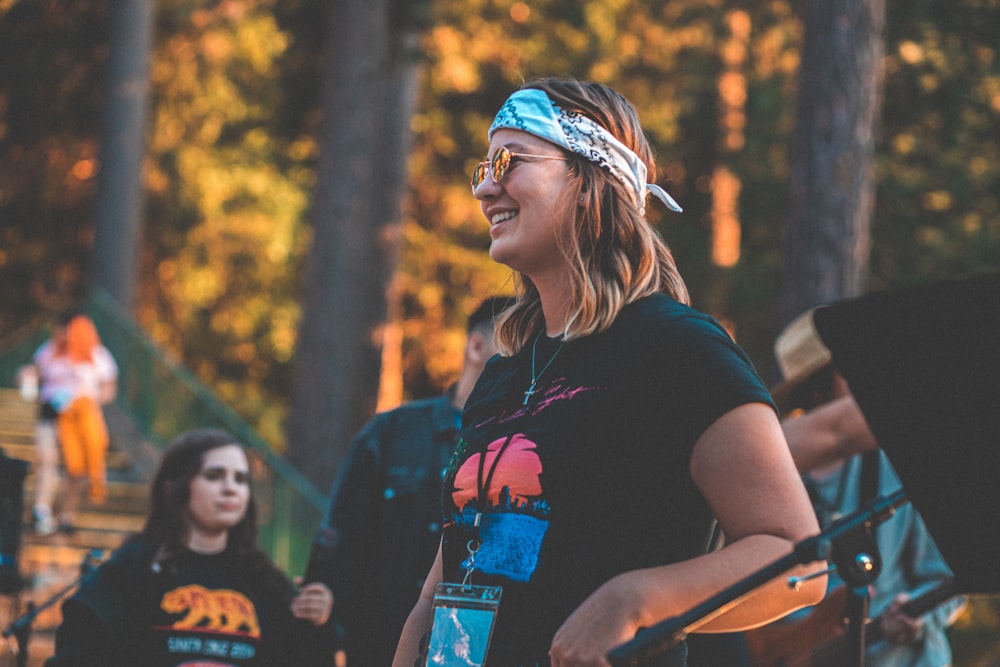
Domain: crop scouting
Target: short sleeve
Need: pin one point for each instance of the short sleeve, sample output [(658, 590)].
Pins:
[(706, 372), (106, 366)]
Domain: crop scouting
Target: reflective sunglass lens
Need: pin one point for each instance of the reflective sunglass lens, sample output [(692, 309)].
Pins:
[(500, 164), (478, 174), (497, 167)]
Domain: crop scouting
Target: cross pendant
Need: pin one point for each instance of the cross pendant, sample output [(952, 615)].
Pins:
[(529, 393)]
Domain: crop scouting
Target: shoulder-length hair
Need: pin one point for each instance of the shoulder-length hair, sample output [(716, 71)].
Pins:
[(614, 255)]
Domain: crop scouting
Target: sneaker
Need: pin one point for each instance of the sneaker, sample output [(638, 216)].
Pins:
[(45, 525)]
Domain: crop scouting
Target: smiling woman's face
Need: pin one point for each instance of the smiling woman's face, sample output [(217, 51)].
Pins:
[(530, 208)]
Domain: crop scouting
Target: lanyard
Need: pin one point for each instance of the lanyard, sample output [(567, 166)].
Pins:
[(483, 486), (482, 489)]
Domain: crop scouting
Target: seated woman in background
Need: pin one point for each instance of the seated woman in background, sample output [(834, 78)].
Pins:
[(193, 587)]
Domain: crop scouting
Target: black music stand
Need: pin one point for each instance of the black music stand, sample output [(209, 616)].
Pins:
[(924, 365), (20, 627)]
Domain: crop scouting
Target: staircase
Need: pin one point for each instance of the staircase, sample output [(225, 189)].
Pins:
[(157, 399), (53, 563)]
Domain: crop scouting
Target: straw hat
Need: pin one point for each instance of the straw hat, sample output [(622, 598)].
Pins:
[(800, 352)]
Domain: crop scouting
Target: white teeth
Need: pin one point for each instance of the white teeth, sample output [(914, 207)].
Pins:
[(500, 217)]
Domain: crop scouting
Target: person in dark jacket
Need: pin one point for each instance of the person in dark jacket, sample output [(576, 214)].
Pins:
[(385, 509), (193, 587)]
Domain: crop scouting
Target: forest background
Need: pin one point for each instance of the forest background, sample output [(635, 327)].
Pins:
[(233, 147)]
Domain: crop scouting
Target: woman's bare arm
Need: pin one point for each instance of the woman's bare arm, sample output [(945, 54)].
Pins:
[(418, 623), (742, 466)]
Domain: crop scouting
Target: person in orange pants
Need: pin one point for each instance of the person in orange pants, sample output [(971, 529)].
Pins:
[(84, 438), (83, 433)]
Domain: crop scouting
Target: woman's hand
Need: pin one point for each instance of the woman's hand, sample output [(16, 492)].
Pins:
[(313, 603), (606, 619)]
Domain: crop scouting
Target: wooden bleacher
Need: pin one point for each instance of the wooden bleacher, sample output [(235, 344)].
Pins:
[(53, 563)]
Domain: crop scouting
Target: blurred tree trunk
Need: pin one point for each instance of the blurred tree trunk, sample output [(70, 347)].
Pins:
[(726, 227), (827, 234), (369, 94), (123, 144)]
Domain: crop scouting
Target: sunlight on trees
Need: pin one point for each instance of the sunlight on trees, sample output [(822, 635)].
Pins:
[(218, 165)]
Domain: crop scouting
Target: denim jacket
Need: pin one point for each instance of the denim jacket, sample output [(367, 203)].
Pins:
[(385, 518)]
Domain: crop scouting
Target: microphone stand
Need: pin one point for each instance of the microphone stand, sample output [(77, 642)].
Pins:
[(20, 628), (843, 542), (858, 561)]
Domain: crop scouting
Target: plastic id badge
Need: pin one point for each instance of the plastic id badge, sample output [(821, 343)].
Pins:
[(462, 625)]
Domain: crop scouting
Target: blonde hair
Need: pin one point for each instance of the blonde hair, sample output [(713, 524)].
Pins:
[(615, 256)]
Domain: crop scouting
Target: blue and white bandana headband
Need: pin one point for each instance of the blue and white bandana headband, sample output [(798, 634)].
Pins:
[(530, 110)]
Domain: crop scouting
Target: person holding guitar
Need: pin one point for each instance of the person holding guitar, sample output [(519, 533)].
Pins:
[(911, 603)]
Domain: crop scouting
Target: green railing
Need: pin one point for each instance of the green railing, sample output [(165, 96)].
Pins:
[(164, 399)]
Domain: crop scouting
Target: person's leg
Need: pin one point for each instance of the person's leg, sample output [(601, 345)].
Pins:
[(70, 503), (71, 442), (46, 475), (95, 447)]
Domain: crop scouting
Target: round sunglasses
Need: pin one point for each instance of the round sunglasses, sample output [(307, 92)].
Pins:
[(501, 163)]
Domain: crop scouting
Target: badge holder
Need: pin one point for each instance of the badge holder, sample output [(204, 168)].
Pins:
[(463, 620)]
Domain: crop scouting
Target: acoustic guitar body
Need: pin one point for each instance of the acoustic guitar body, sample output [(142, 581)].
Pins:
[(790, 644)]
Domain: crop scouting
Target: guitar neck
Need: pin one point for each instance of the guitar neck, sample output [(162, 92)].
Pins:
[(918, 606), (819, 639), (833, 652)]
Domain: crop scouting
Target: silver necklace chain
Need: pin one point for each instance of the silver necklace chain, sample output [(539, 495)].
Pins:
[(534, 378)]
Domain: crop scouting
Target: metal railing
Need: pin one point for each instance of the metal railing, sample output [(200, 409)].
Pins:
[(164, 398)]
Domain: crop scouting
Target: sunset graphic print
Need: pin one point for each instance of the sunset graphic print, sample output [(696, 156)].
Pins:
[(515, 517)]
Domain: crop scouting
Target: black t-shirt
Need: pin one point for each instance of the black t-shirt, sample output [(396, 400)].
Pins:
[(208, 614), (201, 611), (593, 479)]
